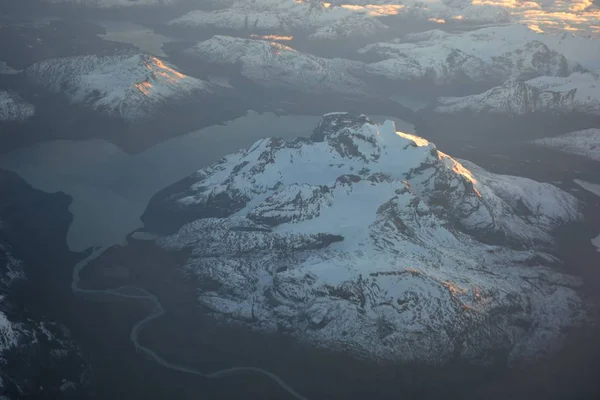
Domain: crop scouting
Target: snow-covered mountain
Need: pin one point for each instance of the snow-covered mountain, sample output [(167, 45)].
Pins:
[(274, 65), (485, 55), (579, 92), (131, 87), (14, 108), (552, 16), (367, 240), (585, 143), (353, 27), (286, 16)]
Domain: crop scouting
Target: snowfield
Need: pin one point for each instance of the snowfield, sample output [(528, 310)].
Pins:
[(367, 240)]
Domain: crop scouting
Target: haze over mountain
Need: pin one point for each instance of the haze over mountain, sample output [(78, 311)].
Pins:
[(368, 240), (354, 260)]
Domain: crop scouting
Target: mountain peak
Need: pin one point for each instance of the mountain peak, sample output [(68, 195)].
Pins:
[(372, 241)]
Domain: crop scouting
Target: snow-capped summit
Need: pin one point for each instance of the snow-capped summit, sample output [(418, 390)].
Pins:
[(353, 27), (579, 93), (371, 241), (274, 65), (131, 87), (13, 108), (485, 55)]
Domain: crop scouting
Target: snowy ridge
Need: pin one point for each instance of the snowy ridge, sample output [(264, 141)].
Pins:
[(132, 87), (584, 143), (552, 16), (274, 65), (14, 108), (286, 16), (352, 27), (485, 55), (487, 43), (366, 240), (579, 92)]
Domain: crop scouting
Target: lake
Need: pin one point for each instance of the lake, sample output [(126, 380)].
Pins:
[(111, 188), (139, 36)]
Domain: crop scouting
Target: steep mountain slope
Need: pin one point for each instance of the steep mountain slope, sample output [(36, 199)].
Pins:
[(353, 27), (273, 65), (130, 87), (485, 55), (585, 143), (552, 16), (39, 357), (13, 108), (579, 92), (370, 241)]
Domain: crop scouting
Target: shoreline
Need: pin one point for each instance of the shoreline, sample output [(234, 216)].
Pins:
[(311, 368)]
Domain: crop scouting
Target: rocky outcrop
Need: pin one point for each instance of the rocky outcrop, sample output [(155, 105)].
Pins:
[(577, 93), (482, 56), (39, 356)]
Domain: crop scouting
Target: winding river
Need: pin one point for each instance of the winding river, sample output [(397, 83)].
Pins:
[(128, 292), (110, 190)]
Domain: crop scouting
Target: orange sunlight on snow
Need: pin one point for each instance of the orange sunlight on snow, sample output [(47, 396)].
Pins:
[(459, 169), (158, 69), (272, 37), (419, 141), (166, 70), (543, 16), (375, 9), (144, 87), (437, 20)]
